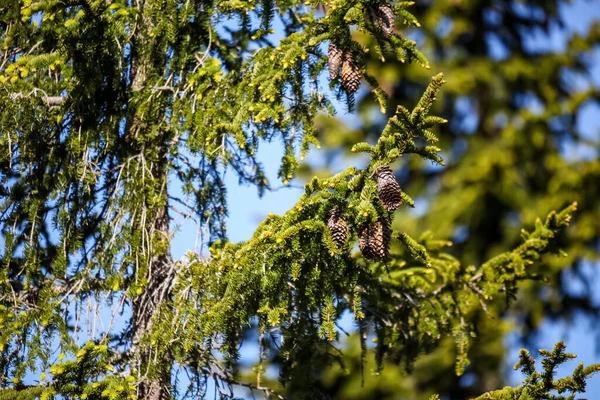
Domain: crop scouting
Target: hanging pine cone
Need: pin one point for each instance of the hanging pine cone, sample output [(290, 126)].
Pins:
[(388, 189), (350, 74), (338, 227), (385, 17), (334, 60), (374, 240)]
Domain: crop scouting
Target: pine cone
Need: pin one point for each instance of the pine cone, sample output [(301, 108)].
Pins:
[(374, 240), (350, 74), (338, 227), (388, 189), (385, 17), (335, 60)]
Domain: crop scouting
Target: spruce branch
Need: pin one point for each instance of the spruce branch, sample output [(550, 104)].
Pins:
[(542, 385)]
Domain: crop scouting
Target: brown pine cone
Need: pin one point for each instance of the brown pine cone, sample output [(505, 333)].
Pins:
[(334, 60), (338, 227), (388, 189), (385, 17), (374, 240), (351, 74)]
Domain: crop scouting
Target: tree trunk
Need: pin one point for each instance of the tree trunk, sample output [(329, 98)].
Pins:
[(161, 275), (155, 371)]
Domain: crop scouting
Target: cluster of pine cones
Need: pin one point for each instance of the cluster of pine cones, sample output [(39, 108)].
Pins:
[(374, 239), (351, 73), (384, 16)]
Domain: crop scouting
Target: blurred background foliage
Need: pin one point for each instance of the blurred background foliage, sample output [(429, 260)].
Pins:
[(520, 142)]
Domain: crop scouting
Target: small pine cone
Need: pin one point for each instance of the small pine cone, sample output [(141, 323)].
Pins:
[(338, 227), (388, 189), (351, 74), (385, 17), (334, 60), (374, 240)]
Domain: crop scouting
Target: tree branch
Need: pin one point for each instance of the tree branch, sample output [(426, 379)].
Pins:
[(50, 100)]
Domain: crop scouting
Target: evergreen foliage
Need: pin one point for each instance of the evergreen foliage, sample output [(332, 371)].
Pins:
[(106, 104), (521, 98), (542, 385)]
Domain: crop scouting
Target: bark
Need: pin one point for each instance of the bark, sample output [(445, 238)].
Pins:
[(161, 275), (155, 372)]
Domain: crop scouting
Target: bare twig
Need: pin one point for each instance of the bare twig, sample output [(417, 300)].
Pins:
[(224, 377), (50, 100)]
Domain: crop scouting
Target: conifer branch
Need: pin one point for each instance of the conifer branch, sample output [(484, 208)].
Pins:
[(542, 385)]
